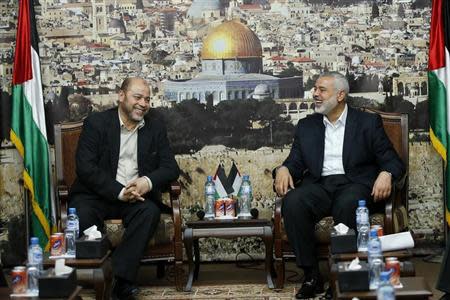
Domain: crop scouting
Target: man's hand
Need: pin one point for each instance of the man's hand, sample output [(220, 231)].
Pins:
[(283, 181), (131, 195), (382, 186), (135, 189)]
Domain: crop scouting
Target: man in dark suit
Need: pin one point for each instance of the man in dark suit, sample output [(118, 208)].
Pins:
[(339, 155), (123, 159), (443, 283)]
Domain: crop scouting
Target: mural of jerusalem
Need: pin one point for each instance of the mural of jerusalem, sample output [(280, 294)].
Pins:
[(231, 72)]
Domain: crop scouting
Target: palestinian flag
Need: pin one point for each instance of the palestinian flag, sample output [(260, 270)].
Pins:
[(28, 131), (439, 87), (234, 179), (221, 182)]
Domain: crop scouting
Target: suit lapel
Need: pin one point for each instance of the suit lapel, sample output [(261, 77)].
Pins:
[(319, 135), (142, 144), (350, 130), (114, 137)]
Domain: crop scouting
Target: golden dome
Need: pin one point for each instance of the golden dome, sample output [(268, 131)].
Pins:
[(230, 40)]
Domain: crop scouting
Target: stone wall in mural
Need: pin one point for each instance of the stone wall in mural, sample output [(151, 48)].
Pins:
[(231, 78)]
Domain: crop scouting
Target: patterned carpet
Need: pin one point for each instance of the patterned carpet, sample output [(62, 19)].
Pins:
[(229, 292)]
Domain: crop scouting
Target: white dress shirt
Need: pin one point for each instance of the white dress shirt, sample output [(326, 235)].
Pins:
[(127, 166), (334, 143)]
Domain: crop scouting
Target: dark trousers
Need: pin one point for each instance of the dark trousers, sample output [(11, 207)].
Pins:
[(443, 282), (307, 204), (140, 220)]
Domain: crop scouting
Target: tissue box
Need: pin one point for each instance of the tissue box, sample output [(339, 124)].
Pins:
[(343, 243), (353, 280), (52, 286), (91, 248)]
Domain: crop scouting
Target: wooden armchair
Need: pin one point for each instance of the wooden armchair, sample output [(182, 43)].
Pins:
[(165, 246), (393, 219)]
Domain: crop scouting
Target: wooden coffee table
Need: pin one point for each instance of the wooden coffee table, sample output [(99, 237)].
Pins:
[(226, 229), (414, 288), (95, 271)]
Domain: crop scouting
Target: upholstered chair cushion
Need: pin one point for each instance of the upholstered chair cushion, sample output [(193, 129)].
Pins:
[(163, 235)]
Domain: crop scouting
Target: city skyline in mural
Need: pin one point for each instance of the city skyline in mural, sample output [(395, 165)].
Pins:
[(237, 73)]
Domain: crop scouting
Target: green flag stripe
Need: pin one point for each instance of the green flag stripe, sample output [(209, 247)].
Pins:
[(439, 135), (438, 114), (33, 147)]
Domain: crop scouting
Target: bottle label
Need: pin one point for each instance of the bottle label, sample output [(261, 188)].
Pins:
[(246, 189), (210, 190)]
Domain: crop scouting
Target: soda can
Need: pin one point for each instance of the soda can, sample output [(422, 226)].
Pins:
[(393, 264), (379, 229), (219, 208), (19, 280), (230, 207), (57, 244)]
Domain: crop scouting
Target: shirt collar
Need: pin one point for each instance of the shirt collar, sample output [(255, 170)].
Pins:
[(340, 121), (122, 124)]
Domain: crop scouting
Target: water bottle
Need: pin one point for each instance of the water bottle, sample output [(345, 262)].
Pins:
[(72, 231), (374, 247), (385, 290), (245, 198), (33, 280), (375, 259), (210, 197), (72, 221), (362, 225), (35, 254)]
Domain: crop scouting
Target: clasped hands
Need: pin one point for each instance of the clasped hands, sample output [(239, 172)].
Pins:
[(135, 189)]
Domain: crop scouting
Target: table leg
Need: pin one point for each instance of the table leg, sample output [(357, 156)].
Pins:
[(99, 284), (197, 258), (268, 243), (188, 239)]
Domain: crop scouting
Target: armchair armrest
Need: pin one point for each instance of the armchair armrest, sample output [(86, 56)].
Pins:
[(62, 194), (175, 191), (393, 202)]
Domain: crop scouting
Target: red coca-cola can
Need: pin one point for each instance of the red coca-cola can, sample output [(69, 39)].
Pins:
[(392, 264), (19, 280), (379, 229), (230, 207), (57, 244), (219, 208)]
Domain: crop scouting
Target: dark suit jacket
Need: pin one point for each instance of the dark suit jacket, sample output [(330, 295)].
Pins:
[(366, 152), (98, 154)]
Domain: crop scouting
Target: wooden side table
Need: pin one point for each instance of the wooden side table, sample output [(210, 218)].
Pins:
[(414, 288), (96, 271), (406, 267), (5, 293), (226, 229)]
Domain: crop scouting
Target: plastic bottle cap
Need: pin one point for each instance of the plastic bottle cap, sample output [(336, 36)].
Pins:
[(34, 240), (209, 178), (362, 203), (72, 210), (246, 177), (373, 232)]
